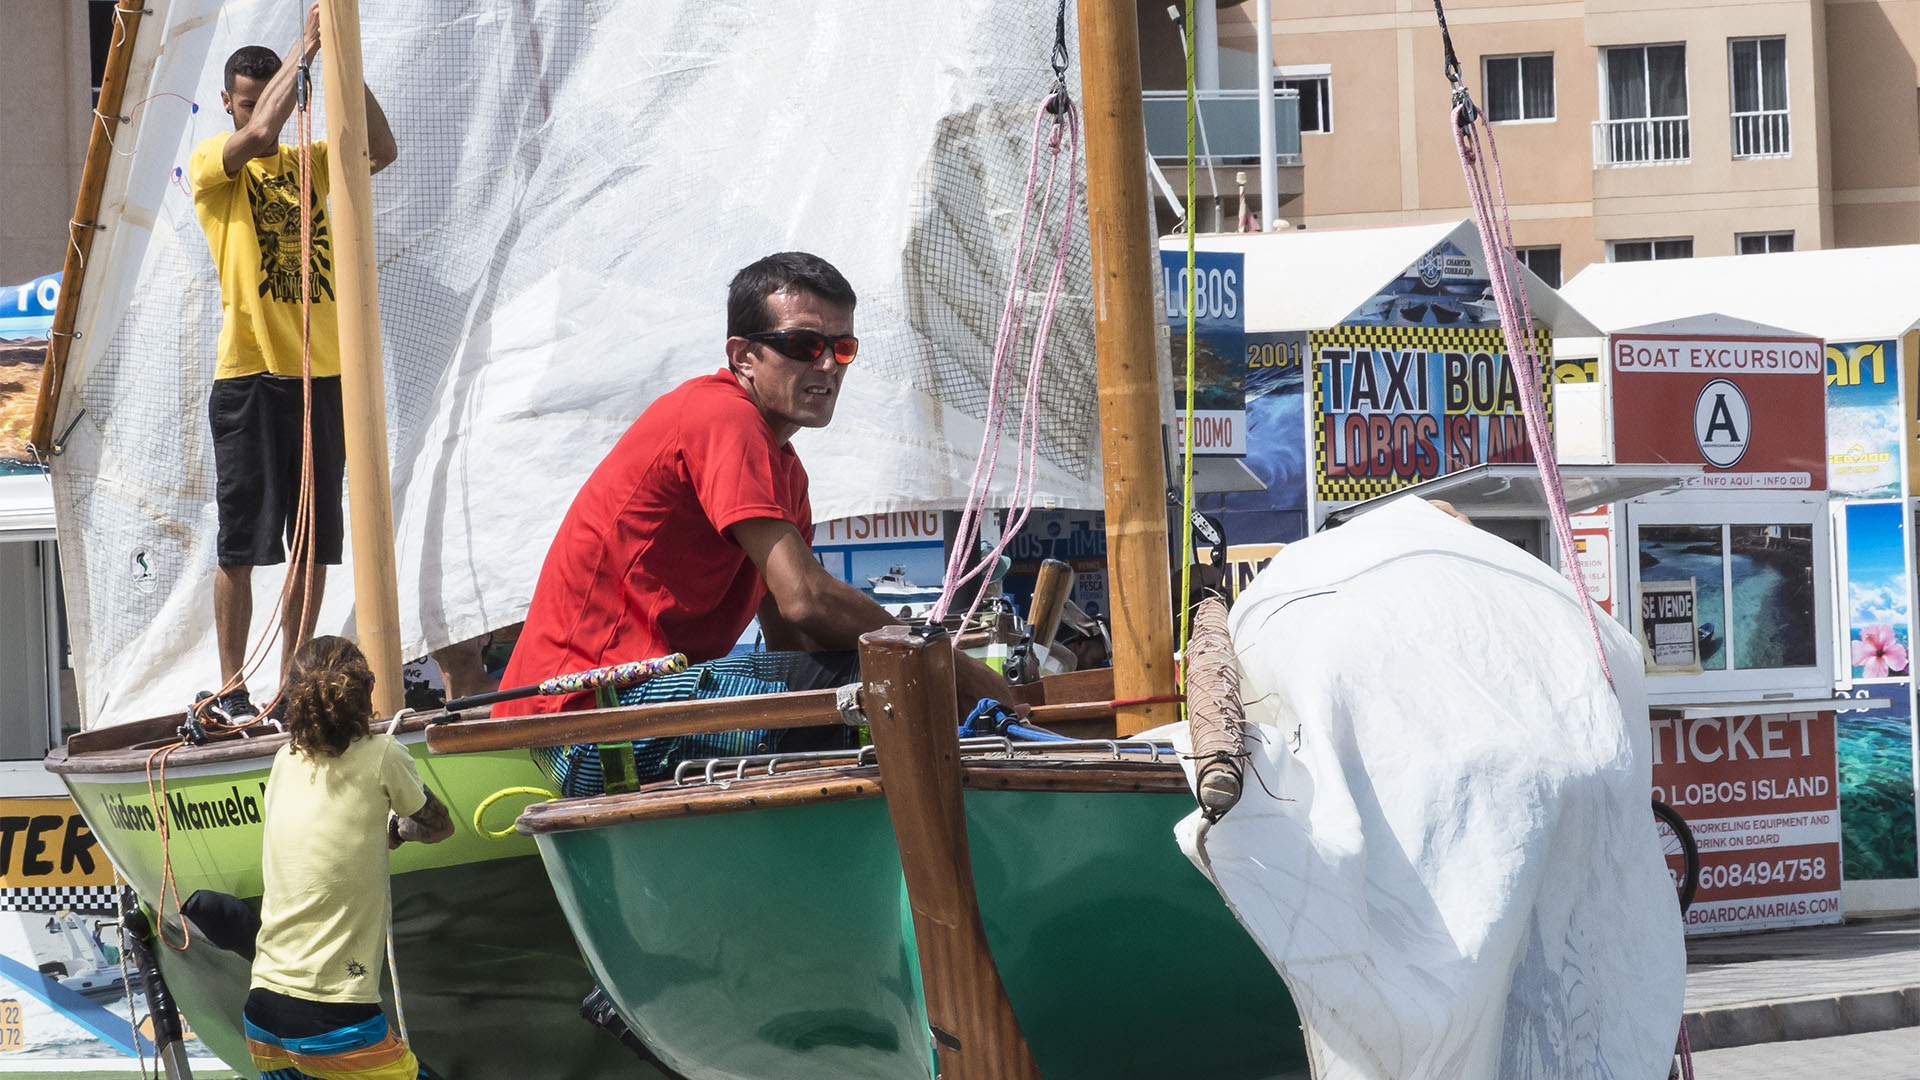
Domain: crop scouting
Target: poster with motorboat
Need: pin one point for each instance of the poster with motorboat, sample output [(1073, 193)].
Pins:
[(898, 559), (64, 1001)]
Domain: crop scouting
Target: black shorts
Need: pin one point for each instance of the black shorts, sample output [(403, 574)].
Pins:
[(256, 457)]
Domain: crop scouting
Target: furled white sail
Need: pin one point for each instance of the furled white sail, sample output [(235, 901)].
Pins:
[(577, 183), (1449, 851)]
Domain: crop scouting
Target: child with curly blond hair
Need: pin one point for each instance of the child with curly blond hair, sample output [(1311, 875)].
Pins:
[(335, 793)]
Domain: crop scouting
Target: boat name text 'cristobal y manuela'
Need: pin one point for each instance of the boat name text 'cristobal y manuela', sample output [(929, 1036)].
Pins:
[(218, 812)]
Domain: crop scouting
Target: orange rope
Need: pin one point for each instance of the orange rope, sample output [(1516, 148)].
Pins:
[(300, 550)]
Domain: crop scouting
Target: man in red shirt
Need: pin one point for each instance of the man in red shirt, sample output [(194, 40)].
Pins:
[(698, 519)]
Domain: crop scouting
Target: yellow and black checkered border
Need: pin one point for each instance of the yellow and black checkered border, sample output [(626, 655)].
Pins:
[(1430, 338)]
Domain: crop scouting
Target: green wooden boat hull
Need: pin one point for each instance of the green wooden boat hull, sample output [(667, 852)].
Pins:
[(776, 943), (490, 979)]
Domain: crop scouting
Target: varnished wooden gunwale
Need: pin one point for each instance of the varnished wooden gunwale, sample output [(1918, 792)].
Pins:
[(1081, 773)]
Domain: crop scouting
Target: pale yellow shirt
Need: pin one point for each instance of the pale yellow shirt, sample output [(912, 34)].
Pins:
[(252, 222), (324, 864)]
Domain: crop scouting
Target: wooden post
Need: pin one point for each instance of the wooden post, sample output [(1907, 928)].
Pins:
[(376, 591), (1050, 588), (86, 212), (1131, 445), (908, 698)]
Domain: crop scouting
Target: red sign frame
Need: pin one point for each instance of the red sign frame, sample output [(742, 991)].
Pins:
[(1667, 389)]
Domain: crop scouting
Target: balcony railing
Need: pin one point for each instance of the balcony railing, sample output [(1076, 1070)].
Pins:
[(1761, 134), (1232, 122), (1661, 140)]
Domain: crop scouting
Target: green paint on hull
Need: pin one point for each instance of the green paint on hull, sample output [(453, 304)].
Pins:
[(775, 943), (491, 978), (695, 923)]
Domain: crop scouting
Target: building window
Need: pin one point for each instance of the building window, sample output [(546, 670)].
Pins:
[(1764, 243), (1678, 247), (102, 28), (1758, 68), (1543, 261), (1646, 106), (1314, 83), (1519, 87)]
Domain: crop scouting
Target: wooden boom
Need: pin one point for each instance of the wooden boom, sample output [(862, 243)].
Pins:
[(85, 224)]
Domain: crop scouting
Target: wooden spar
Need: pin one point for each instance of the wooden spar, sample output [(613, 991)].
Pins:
[(1214, 711), (376, 590), (1132, 454), (1050, 588), (697, 716), (908, 698), (86, 212)]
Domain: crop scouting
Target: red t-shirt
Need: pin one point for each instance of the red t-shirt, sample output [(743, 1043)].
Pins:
[(642, 565)]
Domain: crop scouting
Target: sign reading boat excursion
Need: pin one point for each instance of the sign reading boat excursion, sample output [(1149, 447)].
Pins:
[(1750, 409)]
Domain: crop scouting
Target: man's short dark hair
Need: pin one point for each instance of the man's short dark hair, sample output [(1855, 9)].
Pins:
[(747, 297), (253, 61)]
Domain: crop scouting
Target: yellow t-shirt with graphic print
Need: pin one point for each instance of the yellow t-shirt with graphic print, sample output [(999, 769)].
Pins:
[(323, 868), (252, 223)]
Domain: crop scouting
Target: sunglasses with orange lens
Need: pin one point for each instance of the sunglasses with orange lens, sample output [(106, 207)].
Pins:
[(807, 345)]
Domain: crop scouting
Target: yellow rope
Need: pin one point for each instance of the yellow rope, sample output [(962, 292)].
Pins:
[(480, 811), (1186, 485)]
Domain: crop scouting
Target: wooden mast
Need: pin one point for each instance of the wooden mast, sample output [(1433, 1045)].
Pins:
[(376, 591), (1131, 445), (86, 213)]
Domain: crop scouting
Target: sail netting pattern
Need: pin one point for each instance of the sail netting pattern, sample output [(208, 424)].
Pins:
[(577, 183)]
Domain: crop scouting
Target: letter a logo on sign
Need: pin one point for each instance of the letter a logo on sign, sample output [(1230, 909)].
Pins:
[(1722, 423)]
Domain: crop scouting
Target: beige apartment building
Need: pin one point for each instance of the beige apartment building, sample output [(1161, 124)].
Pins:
[(1627, 128)]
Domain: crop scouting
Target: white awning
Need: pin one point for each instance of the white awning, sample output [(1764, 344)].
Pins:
[(1841, 294), (1311, 279), (26, 507), (1515, 491)]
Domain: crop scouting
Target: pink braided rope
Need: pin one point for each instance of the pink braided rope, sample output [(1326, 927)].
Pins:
[(1516, 323), (1063, 140)]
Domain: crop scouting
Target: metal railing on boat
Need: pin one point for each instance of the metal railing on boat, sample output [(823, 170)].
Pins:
[(716, 770)]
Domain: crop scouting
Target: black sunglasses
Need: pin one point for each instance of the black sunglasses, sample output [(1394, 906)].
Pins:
[(807, 345)]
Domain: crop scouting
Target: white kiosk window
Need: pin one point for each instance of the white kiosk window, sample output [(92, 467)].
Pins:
[(1760, 602)]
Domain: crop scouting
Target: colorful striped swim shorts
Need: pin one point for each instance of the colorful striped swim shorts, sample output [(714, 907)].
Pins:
[(294, 1039)]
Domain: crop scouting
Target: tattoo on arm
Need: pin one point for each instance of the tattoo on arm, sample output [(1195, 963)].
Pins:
[(430, 824)]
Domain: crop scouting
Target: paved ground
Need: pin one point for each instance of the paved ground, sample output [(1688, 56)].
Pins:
[(1807, 984), (1881, 1055), (1739, 968)]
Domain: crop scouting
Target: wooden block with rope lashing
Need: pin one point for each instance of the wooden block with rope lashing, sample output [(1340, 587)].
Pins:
[(1214, 710)]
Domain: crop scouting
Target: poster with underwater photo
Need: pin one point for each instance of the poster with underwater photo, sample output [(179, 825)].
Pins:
[(1276, 446), (1444, 287), (1878, 617), (1863, 420), (1877, 838), (26, 315)]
